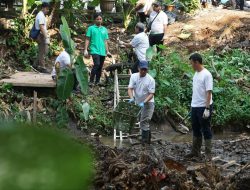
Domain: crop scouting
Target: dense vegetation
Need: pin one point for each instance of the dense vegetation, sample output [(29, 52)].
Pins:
[(231, 84), (171, 71)]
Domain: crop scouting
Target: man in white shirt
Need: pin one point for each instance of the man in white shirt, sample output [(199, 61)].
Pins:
[(157, 26), (141, 90), (201, 107), (62, 61), (140, 44), (43, 38), (143, 8)]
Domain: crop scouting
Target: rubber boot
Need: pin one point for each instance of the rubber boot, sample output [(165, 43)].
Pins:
[(196, 148), (146, 137), (208, 149)]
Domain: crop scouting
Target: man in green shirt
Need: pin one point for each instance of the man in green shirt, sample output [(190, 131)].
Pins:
[(96, 40)]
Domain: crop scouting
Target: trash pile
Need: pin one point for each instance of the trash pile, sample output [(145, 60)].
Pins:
[(152, 168)]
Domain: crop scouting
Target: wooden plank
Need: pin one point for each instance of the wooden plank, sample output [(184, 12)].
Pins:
[(30, 79)]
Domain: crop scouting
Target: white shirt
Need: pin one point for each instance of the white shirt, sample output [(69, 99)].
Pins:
[(157, 26), (140, 44), (147, 6), (63, 59), (40, 19), (143, 86), (202, 82)]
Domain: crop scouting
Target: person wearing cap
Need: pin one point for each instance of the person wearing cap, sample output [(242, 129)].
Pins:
[(140, 43), (97, 41), (141, 90), (43, 38), (157, 27)]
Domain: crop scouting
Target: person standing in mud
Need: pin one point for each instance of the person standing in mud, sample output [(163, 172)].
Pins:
[(201, 108), (43, 38), (96, 40), (140, 44), (141, 90), (157, 26)]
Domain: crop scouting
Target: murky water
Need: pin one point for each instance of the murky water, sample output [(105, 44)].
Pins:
[(167, 133)]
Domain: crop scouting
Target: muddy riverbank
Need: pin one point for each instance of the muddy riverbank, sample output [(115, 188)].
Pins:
[(162, 165)]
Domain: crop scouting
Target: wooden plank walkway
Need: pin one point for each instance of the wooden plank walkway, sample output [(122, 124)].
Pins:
[(30, 79)]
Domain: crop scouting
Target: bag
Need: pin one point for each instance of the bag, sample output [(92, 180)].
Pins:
[(150, 23), (34, 33)]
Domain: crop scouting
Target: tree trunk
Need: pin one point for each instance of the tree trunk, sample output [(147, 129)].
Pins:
[(54, 13), (24, 10)]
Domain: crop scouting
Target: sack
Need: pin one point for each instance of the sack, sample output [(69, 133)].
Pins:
[(34, 33)]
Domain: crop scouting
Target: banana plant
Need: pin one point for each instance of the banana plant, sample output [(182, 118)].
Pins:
[(127, 12), (64, 86)]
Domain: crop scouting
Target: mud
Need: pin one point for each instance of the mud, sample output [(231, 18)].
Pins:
[(162, 166)]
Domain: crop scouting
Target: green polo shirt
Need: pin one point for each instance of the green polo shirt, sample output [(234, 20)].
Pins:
[(97, 36)]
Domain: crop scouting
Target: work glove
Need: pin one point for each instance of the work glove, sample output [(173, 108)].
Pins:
[(86, 53), (109, 54), (131, 100), (141, 104), (206, 113), (47, 41)]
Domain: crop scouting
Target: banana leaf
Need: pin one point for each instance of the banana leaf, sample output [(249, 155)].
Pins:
[(82, 74), (68, 43), (65, 84)]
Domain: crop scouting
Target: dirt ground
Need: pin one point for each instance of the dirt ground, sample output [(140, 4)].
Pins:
[(212, 28)]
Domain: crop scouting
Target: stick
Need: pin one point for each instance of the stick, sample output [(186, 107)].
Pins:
[(34, 106)]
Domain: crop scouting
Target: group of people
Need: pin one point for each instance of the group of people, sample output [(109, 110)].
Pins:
[(141, 88), (157, 29)]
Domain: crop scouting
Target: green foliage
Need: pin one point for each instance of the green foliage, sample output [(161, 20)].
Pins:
[(62, 116), (42, 159), (82, 74), (25, 49), (68, 43), (231, 97), (94, 3), (65, 84), (95, 118), (190, 5)]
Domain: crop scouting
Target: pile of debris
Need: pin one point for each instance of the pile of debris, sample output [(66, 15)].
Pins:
[(151, 167)]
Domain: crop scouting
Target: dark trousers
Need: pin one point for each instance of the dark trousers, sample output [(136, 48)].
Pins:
[(241, 4), (135, 66), (200, 125), (96, 71), (156, 39)]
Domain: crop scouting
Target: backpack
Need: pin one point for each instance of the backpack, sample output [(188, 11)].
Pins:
[(34, 33)]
